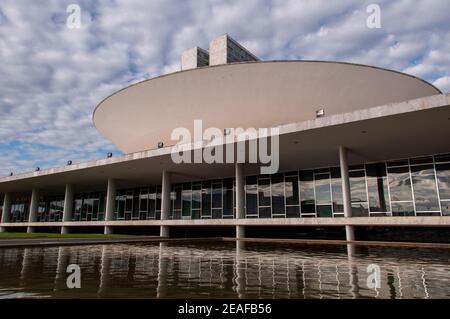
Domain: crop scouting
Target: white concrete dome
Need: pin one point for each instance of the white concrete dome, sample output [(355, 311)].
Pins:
[(251, 94)]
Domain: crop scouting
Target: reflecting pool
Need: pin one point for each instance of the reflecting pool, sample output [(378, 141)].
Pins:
[(225, 270)]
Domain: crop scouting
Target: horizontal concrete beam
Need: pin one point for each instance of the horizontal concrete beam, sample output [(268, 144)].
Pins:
[(423, 103), (432, 221)]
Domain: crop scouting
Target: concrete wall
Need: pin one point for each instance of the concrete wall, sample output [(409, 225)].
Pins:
[(194, 58), (225, 50)]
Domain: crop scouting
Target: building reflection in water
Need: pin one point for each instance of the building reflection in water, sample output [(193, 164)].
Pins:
[(219, 270)]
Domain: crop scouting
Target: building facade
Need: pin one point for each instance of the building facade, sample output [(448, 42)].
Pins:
[(358, 146)]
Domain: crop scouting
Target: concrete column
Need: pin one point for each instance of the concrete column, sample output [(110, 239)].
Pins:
[(6, 210), (110, 204), (68, 208), (349, 230), (240, 198), (165, 202), (34, 205)]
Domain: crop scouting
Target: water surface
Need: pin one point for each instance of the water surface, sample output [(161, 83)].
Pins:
[(221, 270)]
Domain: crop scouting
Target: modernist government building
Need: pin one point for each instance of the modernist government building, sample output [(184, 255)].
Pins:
[(359, 147)]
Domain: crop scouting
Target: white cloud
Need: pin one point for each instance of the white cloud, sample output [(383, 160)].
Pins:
[(443, 83), (51, 77)]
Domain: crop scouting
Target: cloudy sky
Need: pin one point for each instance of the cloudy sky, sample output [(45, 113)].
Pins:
[(52, 76)]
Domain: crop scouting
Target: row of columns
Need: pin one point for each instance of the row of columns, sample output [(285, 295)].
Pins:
[(165, 201)]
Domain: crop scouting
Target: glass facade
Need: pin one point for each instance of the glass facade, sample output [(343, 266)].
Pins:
[(408, 187), (51, 209), (212, 199), (89, 206), (20, 207), (137, 204)]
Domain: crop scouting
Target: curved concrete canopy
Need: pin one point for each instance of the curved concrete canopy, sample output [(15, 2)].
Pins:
[(252, 94)]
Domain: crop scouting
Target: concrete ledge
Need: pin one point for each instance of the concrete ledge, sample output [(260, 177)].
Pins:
[(423, 103), (432, 221), (44, 242), (38, 242)]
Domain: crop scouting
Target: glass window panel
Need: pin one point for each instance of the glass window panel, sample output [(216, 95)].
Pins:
[(398, 163), (424, 185), (143, 202), (336, 189), (307, 192), (217, 195), (442, 158), (176, 214), (172, 204), (376, 170), (196, 196), (445, 206), (323, 190), (187, 198), (77, 207), (335, 172), (158, 201), (41, 211), (308, 208), (206, 198), (377, 187), (378, 194), (399, 184), (360, 210), (101, 205), (178, 195), (265, 212), (136, 193), (152, 202), (443, 177), (358, 186), (291, 188), (217, 213), (228, 197), (421, 160), (196, 214), (324, 211), (428, 213), (120, 207), (264, 192), (402, 209), (292, 211), (251, 193), (95, 208), (84, 207), (129, 202), (278, 195)]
